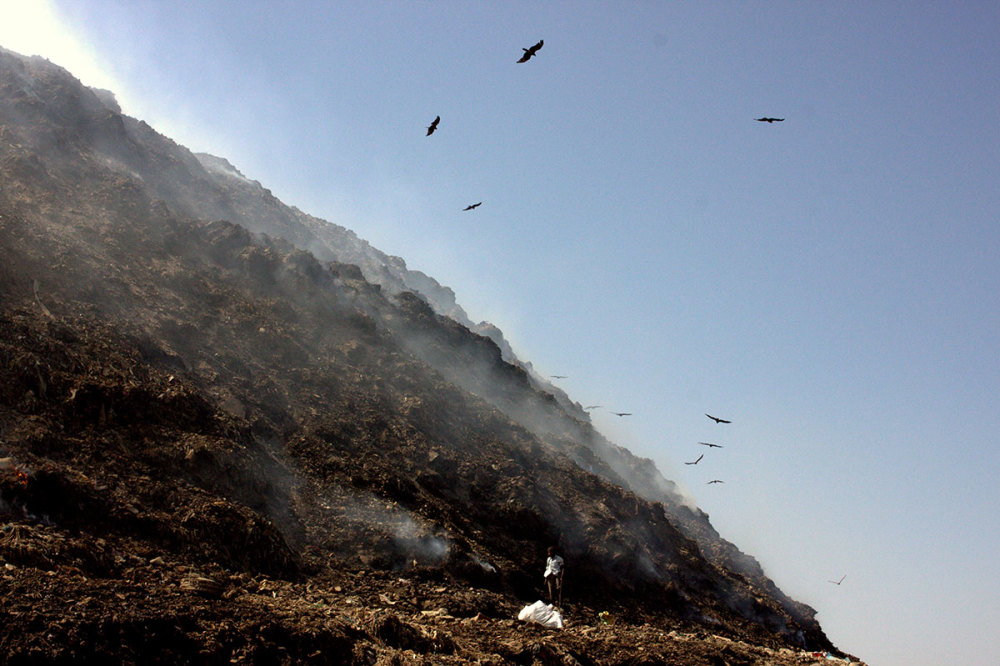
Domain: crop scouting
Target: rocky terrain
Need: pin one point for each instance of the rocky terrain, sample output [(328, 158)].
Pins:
[(230, 431)]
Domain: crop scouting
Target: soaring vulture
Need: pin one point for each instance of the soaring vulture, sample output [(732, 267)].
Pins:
[(532, 51)]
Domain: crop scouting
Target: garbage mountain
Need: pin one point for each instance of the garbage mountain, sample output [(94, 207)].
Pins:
[(232, 431)]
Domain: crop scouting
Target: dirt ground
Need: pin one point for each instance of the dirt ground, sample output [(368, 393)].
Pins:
[(68, 599)]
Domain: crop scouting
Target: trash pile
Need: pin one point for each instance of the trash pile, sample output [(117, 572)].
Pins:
[(219, 447), (123, 537)]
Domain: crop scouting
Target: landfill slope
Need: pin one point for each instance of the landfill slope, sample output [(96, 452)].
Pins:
[(222, 441)]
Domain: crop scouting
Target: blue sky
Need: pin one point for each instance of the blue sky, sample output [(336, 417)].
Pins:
[(828, 283)]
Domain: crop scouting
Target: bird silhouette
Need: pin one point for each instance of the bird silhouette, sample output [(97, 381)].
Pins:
[(717, 419), (588, 407), (838, 582), (531, 51), (433, 126), (622, 413), (714, 481), (471, 206), (710, 445), (769, 120), (696, 461), (558, 376)]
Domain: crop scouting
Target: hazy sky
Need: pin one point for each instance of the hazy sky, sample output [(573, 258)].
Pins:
[(828, 283)]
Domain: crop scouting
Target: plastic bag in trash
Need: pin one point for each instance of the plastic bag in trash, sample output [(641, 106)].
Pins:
[(543, 614)]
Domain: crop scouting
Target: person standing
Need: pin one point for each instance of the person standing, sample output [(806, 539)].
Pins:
[(554, 569)]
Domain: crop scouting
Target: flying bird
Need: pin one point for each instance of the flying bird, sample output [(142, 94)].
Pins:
[(710, 445), (769, 120), (696, 461), (714, 481), (588, 407), (532, 51), (717, 419), (557, 376), (838, 582), (433, 126), (622, 413), (471, 206)]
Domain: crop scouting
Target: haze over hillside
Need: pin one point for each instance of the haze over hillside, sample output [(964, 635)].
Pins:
[(201, 383)]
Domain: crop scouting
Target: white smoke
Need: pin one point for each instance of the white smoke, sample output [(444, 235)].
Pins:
[(419, 539), (38, 28)]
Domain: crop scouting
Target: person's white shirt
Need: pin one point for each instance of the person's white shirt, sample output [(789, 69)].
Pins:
[(553, 566)]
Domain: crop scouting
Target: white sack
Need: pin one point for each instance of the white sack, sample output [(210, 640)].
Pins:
[(543, 614)]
